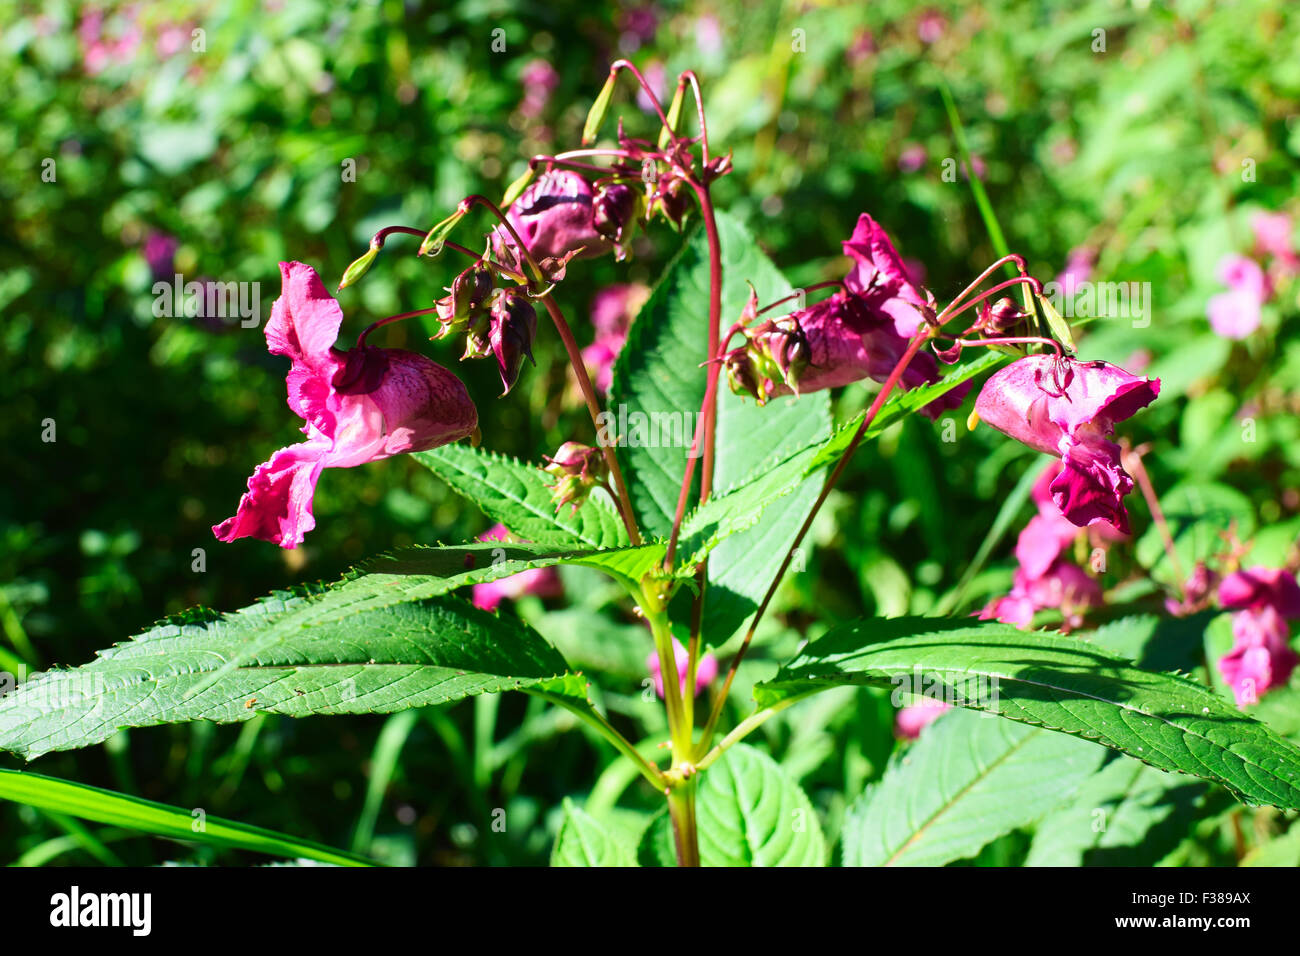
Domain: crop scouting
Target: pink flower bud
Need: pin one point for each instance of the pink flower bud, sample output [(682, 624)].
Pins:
[(360, 406), (510, 334), (577, 469)]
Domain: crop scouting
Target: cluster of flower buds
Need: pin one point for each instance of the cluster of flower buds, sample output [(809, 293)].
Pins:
[(1001, 316), (497, 323), (577, 468)]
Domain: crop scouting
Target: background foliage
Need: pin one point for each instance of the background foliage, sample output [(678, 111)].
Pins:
[(236, 151)]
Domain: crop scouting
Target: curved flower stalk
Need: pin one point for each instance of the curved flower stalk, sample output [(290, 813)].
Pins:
[(360, 405)]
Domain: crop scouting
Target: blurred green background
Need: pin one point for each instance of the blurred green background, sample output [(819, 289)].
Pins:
[(124, 132)]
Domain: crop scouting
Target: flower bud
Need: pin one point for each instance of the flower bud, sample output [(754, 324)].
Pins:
[(615, 211), (577, 469), (511, 332), (1000, 316)]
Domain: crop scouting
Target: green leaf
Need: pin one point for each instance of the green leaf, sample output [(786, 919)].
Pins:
[(1129, 814), (459, 565), (1060, 683), (584, 841), (330, 656), (1198, 513), (1280, 851), (740, 509), (519, 497), (116, 809), (969, 779), (748, 812)]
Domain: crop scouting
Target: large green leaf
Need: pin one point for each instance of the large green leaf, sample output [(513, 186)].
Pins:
[(1129, 814), (449, 567), (329, 657), (748, 812), (519, 496), (147, 816), (970, 778), (1060, 683), (585, 841), (658, 374)]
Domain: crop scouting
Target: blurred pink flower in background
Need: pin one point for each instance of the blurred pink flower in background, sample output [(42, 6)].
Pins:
[(637, 27), (930, 28), (912, 157), (1273, 232), (539, 80), (914, 718), (160, 252), (612, 311), (657, 77), (1235, 314), (862, 49), (1078, 269), (541, 582), (708, 35), (1261, 657), (705, 670)]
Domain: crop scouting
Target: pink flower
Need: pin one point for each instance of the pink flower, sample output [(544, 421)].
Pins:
[(553, 217), (1063, 585), (160, 253), (860, 332), (911, 158), (360, 405), (914, 718), (1078, 269), (1259, 587), (1273, 232), (1260, 658), (1235, 314), (1068, 409), (930, 28), (539, 80), (705, 670), (612, 310), (542, 582)]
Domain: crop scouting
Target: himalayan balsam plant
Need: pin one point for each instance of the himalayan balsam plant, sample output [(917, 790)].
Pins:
[(699, 529)]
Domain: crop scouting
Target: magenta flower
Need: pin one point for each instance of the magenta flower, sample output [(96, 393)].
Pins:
[(1260, 658), (912, 158), (1068, 409), (542, 582), (553, 217), (1259, 587), (1078, 270), (160, 253), (914, 718), (860, 332), (705, 670), (539, 80), (360, 405), (612, 311), (1063, 585), (1235, 314), (1273, 232)]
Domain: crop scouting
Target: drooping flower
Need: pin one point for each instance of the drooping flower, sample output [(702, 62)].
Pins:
[(1068, 409), (577, 469), (359, 405), (541, 582), (859, 332), (554, 217), (1261, 657), (706, 669)]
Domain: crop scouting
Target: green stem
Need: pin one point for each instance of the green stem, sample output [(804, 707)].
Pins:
[(681, 810), (593, 718), (745, 728)]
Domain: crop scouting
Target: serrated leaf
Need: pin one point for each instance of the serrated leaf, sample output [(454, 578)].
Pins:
[(460, 565), (748, 812), (370, 658), (519, 496), (584, 841), (1063, 684), (969, 779)]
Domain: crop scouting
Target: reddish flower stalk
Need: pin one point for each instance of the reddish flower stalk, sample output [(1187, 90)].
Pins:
[(1132, 460)]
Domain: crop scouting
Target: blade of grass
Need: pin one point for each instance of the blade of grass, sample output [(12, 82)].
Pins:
[(990, 218), (383, 761), (115, 809)]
